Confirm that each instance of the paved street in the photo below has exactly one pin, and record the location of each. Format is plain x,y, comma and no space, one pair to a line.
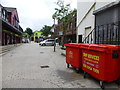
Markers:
21,68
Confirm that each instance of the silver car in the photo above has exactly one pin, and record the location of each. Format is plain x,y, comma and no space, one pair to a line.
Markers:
47,42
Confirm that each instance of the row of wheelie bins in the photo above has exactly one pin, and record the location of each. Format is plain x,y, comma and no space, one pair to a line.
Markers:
100,61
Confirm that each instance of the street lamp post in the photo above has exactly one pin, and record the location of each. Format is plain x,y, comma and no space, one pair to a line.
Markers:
54,33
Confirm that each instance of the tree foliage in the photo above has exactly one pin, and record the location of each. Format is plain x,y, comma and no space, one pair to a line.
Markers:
26,35
62,11
46,30
63,14
29,31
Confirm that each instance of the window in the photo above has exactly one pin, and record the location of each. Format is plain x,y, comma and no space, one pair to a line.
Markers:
3,13
17,24
71,25
14,20
0,11
50,40
87,31
61,33
5,16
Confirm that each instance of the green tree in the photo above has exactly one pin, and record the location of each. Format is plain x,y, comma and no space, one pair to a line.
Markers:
46,30
26,35
62,10
62,15
29,31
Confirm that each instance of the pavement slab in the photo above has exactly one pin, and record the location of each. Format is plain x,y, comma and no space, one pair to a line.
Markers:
21,68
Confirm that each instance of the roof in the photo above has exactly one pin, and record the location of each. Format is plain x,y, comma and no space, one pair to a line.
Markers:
1,5
106,7
10,26
20,28
10,9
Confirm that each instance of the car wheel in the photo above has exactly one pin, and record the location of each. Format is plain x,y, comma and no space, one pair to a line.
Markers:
44,44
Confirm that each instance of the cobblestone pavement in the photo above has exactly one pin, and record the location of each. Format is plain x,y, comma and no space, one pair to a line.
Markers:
21,68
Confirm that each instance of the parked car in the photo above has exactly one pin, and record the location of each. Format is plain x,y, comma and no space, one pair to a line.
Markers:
47,42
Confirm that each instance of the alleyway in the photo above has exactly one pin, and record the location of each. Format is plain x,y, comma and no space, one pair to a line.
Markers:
21,68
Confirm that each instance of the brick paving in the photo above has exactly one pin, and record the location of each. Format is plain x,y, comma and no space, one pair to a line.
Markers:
21,68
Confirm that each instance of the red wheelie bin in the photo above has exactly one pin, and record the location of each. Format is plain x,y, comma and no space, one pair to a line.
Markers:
102,62
119,64
74,55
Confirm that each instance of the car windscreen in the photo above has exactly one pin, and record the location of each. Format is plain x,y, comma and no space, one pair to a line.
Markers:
50,40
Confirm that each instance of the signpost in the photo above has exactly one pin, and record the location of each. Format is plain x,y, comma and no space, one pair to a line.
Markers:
54,33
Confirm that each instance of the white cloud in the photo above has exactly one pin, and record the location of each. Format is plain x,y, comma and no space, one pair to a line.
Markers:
34,13
73,3
96,0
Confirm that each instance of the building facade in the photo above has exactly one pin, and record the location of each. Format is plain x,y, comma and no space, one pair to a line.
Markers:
37,36
11,30
86,19
25,38
66,31
107,24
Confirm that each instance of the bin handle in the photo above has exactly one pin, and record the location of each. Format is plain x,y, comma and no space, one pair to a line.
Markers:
115,54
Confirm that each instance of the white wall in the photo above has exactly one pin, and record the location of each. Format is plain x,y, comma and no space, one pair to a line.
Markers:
87,21
85,17
82,8
0,11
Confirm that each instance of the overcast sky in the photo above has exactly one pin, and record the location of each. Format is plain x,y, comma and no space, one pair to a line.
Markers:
35,13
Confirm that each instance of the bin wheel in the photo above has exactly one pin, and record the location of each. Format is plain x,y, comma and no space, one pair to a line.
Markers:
77,70
85,73
102,84
118,82
68,65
